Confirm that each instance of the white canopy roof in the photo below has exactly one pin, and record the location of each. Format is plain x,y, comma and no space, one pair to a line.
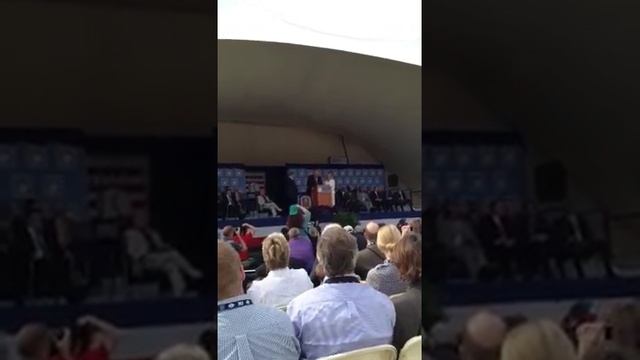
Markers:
386,29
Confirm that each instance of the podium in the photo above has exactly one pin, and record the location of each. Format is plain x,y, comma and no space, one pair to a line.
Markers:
324,196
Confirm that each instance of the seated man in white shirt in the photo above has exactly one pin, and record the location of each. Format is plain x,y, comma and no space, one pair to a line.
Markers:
148,251
245,330
265,203
281,284
342,314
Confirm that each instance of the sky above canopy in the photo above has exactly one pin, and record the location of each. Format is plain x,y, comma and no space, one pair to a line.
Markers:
386,29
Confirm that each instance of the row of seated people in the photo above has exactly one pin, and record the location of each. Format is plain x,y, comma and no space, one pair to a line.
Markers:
377,199
46,262
582,334
232,203
91,338
510,241
300,320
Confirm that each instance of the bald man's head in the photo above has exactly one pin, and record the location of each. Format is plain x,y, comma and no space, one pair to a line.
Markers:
371,232
483,337
230,272
32,342
228,232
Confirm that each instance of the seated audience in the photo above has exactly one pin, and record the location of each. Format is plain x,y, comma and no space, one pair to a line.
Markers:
416,226
371,256
247,330
282,284
341,314
623,321
579,314
285,232
230,204
183,352
93,339
385,277
148,251
38,255
33,342
208,341
538,340
399,200
90,339
576,243
265,203
301,249
513,321
359,234
482,337
407,255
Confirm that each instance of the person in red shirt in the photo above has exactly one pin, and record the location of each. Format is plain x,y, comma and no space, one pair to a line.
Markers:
36,341
93,339
229,234
247,233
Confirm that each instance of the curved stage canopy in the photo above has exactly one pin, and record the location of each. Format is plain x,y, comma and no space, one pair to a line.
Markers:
375,101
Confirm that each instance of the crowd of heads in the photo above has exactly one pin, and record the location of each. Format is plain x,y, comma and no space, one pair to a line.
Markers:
614,333
93,338
286,283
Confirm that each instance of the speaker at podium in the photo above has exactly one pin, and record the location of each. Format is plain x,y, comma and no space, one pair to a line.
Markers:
324,195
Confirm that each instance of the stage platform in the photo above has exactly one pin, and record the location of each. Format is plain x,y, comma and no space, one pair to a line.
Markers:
265,226
461,294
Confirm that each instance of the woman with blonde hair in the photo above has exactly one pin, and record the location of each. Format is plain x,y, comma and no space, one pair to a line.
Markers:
386,277
281,284
539,340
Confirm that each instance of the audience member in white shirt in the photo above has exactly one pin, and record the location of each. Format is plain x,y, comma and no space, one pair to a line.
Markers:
281,284
342,314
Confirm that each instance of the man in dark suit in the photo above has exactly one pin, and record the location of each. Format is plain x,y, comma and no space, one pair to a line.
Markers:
498,247
230,203
573,241
387,199
517,225
340,199
362,241
400,200
377,199
313,181
371,256
38,258
291,190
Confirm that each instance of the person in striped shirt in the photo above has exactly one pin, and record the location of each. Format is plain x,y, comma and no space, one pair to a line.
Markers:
247,331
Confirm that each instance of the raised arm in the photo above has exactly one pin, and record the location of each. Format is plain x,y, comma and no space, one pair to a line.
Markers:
108,335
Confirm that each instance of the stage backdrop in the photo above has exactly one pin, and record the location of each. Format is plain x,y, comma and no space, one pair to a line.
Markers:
53,173
345,175
473,167
233,176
